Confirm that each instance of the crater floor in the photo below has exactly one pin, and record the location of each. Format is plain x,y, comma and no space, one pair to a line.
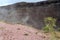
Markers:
20,32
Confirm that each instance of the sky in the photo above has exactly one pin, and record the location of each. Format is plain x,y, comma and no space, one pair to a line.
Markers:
8,2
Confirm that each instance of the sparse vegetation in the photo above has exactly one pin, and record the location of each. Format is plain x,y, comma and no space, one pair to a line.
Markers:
58,29
50,23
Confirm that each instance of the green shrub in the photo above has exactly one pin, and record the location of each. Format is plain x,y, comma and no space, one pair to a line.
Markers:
58,29
49,26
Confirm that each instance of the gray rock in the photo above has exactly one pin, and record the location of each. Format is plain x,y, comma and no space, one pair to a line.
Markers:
30,13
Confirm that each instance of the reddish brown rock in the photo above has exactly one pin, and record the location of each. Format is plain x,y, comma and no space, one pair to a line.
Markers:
10,32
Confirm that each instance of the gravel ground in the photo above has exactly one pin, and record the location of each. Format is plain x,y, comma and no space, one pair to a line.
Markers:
20,32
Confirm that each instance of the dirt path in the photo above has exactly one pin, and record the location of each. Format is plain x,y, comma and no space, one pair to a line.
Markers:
20,32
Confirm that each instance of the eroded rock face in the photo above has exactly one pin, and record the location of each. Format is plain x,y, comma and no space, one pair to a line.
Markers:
30,13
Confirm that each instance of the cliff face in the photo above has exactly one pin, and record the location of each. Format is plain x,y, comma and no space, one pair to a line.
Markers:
30,13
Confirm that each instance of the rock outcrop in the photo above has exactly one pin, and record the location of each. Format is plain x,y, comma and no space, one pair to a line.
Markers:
32,14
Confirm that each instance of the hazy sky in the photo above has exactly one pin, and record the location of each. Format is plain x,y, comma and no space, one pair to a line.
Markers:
7,2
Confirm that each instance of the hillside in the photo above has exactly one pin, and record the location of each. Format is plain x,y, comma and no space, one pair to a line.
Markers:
21,21
31,14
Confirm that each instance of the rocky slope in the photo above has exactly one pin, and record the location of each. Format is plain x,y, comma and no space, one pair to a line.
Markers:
31,14
20,32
